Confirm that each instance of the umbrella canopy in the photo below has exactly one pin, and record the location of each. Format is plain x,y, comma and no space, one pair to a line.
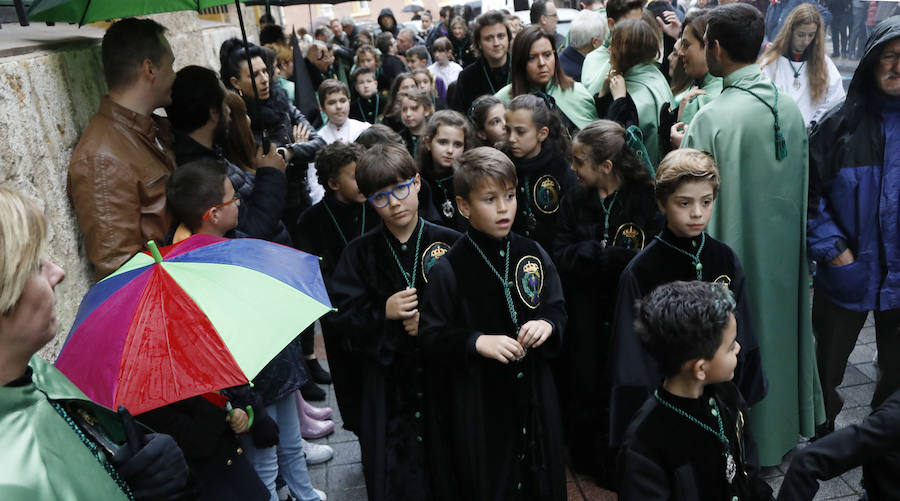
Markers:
288,3
198,316
412,8
88,11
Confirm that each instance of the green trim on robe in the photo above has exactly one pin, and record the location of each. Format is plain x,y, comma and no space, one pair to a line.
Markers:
649,90
713,87
45,459
595,68
577,103
761,214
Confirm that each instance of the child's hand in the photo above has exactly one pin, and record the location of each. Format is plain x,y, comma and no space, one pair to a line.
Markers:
402,305
534,332
238,420
412,324
499,347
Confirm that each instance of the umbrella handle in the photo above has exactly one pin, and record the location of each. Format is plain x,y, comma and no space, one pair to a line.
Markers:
248,410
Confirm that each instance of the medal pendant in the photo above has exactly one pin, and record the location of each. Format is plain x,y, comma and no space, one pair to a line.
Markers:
796,84
730,468
447,209
532,222
603,244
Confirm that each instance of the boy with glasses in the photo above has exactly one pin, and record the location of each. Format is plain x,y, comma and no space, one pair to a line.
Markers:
376,289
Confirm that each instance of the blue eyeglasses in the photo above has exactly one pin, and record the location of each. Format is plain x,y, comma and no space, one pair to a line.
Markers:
400,192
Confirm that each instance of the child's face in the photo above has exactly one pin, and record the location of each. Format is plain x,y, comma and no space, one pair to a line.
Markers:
446,146
688,209
524,136
721,367
337,108
494,130
416,63
490,208
366,85
423,82
224,216
459,31
344,185
589,174
367,60
399,213
442,56
407,83
412,113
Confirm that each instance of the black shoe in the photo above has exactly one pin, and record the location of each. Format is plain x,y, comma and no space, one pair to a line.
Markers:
311,392
316,372
823,430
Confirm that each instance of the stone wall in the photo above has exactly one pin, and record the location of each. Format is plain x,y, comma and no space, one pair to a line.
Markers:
48,93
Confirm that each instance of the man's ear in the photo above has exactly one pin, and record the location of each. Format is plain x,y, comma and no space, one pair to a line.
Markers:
148,69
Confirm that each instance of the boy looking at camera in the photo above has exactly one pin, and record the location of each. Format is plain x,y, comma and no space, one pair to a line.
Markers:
334,98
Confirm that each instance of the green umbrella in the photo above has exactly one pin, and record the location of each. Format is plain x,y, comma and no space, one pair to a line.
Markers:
89,11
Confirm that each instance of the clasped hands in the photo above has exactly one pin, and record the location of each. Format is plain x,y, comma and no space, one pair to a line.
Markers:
505,349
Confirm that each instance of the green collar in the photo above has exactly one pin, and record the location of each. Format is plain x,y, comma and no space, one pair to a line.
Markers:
749,71
709,79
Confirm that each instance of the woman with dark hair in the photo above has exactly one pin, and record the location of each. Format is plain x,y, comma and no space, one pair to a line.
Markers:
535,68
796,62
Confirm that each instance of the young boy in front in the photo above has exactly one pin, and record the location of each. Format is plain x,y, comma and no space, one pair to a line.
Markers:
324,230
377,289
492,316
202,199
691,440
368,105
334,98
686,185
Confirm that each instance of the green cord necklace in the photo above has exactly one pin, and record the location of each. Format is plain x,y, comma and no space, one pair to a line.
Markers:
730,466
505,283
363,112
336,225
695,258
410,279
606,211
488,77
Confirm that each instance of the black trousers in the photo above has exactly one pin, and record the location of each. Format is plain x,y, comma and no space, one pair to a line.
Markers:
836,330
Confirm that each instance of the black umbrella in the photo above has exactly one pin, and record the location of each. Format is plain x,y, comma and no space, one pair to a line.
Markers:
412,8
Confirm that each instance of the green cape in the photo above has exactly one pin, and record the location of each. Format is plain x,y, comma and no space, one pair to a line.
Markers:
649,90
713,87
576,103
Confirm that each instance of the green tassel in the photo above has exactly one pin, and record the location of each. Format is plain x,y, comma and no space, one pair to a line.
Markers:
780,144
634,140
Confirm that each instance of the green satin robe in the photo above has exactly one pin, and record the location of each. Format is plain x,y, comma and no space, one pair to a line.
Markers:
42,457
576,103
649,90
761,214
713,87
595,68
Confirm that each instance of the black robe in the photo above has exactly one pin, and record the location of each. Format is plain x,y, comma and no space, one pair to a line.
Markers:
392,432
391,66
442,199
666,456
476,80
634,372
317,234
368,109
590,274
502,436
544,181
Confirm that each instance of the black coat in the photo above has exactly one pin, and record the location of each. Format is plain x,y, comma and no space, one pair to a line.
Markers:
502,437
392,432
368,109
634,372
666,456
441,198
544,182
472,84
391,66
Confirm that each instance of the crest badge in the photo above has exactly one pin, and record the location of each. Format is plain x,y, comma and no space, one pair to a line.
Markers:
630,236
546,194
723,280
430,257
530,281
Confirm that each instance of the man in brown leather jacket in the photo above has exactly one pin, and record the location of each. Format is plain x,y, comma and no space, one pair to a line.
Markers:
120,167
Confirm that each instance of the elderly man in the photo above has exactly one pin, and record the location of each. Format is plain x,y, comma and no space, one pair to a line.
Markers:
350,29
119,169
543,14
587,33
854,217
337,33
490,72
406,39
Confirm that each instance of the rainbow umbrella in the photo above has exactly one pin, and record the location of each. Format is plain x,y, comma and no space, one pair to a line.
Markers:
198,316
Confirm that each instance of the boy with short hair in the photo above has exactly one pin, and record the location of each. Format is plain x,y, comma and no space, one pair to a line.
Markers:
202,199
324,230
334,99
368,105
417,58
687,182
377,289
493,315
690,440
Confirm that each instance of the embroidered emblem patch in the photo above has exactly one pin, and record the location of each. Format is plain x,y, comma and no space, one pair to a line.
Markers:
546,194
723,280
630,236
530,281
430,257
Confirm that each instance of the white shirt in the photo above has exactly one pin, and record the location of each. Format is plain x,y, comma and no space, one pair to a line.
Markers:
448,73
782,74
346,133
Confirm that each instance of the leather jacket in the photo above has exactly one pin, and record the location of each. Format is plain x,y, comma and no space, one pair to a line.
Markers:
117,183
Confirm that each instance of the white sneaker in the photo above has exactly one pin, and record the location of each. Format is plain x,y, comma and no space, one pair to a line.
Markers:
317,453
319,493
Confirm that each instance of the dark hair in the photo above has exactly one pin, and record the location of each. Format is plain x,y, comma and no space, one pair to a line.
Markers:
368,49
417,51
322,31
696,21
739,28
378,134
383,165
520,53
360,71
272,33
196,90
538,9
446,118
606,139
485,20
232,57
633,42
126,45
683,321
392,101
383,42
240,146
442,44
334,157
420,96
330,86
266,19
446,11
542,116
479,164
480,109
194,188
616,9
